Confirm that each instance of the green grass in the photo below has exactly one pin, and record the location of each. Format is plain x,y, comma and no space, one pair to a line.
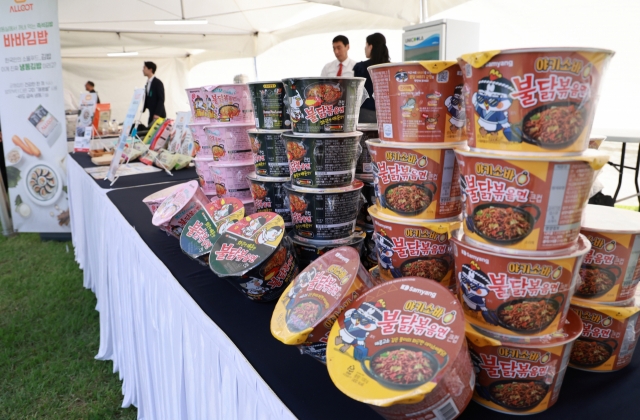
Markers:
620,206
49,335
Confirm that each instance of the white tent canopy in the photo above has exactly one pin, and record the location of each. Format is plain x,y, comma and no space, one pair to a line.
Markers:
239,28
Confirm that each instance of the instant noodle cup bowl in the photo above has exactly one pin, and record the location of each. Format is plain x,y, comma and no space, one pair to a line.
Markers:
421,248
516,298
205,227
270,109
322,160
324,104
176,210
255,256
419,101
249,207
521,378
269,153
369,194
197,102
154,200
269,195
230,104
537,101
416,180
229,143
610,271
609,336
400,348
308,250
205,178
230,179
364,168
522,204
203,147
311,304
324,213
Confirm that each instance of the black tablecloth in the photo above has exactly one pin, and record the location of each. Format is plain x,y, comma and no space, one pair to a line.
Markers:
304,384
183,175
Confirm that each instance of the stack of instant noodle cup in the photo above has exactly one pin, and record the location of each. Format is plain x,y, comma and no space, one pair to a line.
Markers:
421,118
306,148
605,299
525,178
221,117
271,168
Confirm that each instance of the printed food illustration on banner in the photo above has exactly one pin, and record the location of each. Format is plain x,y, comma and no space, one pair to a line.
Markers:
512,295
420,101
521,378
525,203
33,118
532,100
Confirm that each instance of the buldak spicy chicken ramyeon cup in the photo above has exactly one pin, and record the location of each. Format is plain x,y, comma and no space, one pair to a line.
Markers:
519,204
532,101
311,304
521,378
516,298
400,348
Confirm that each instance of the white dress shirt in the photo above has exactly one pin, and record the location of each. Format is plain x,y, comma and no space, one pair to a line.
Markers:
149,84
331,69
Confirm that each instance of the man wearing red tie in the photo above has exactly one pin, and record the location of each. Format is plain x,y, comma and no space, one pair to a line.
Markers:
343,66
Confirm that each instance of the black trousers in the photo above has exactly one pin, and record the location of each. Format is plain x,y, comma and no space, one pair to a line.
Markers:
3,167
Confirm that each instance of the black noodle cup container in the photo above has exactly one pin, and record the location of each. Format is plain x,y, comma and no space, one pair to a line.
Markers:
369,194
269,153
307,250
256,257
268,99
364,167
269,195
324,213
322,160
324,104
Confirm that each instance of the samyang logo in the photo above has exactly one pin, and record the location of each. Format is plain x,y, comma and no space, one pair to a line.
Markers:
21,7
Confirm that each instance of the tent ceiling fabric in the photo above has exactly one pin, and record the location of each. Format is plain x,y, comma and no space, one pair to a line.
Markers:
237,28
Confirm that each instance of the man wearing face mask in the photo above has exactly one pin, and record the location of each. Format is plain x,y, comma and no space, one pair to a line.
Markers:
343,65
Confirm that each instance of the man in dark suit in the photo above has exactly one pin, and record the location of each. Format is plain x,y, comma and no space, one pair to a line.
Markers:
154,99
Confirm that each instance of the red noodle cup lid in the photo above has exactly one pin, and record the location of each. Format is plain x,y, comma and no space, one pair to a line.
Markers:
246,244
206,226
174,203
570,331
395,343
610,220
318,294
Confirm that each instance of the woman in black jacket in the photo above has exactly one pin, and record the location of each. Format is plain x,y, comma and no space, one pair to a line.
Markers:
377,53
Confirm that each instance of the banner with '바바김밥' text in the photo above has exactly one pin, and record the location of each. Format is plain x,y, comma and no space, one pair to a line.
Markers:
32,115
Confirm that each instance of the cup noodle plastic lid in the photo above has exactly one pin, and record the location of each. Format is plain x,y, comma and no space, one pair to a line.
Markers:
206,226
355,185
610,219
174,203
246,244
411,319
316,293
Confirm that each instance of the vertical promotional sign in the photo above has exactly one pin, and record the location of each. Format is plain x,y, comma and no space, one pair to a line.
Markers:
138,96
32,115
84,127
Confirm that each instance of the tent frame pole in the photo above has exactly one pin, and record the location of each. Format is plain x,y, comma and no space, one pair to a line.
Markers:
424,11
